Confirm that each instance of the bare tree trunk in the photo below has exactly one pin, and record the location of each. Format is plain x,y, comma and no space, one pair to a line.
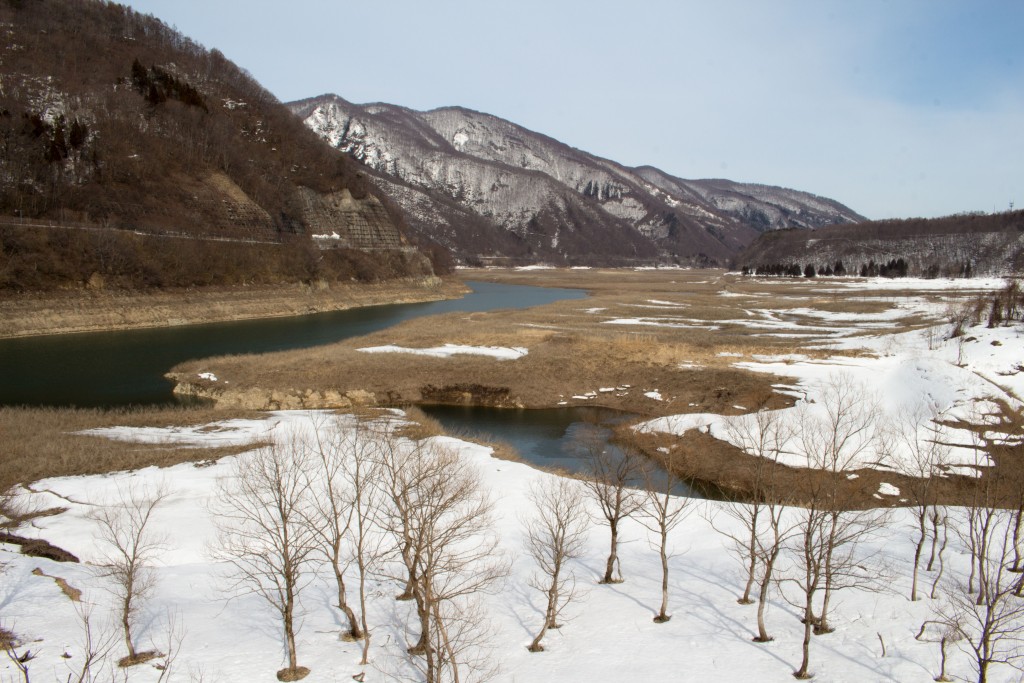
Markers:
942,662
805,662
126,612
535,645
821,625
354,630
936,519
942,565
362,611
446,643
613,556
752,549
922,528
1018,519
550,612
422,646
289,629
762,598
663,615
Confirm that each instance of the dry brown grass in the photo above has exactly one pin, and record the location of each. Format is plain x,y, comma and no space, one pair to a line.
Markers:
73,594
574,350
139,658
42,442
419,425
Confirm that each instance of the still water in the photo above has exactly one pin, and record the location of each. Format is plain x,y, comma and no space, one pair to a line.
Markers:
107,369
555,438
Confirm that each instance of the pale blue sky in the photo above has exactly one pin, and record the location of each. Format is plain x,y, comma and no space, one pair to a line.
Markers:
895,107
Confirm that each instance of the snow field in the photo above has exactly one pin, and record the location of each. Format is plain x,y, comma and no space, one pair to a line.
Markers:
608,634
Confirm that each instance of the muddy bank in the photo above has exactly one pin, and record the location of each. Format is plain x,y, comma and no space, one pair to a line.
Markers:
104,310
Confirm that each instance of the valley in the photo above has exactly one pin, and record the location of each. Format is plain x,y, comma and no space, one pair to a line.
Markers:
694,355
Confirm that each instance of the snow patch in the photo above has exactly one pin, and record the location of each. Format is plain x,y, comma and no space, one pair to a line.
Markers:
448,350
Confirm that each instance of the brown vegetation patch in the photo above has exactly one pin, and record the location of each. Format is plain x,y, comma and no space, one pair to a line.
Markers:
15,518
44,442
722,470
37,547
139,658
7,639
296,674
73,594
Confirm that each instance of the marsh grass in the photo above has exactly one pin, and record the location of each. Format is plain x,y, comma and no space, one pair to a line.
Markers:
38,443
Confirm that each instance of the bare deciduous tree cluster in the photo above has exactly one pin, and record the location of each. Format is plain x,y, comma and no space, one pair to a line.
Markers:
372,506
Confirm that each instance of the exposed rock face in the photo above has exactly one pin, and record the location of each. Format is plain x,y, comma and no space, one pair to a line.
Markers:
353,223
483,186
256,398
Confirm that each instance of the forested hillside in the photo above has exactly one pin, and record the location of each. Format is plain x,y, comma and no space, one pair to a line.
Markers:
964,244
118,129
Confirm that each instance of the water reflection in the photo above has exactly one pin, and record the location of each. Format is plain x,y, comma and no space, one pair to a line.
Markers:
554,439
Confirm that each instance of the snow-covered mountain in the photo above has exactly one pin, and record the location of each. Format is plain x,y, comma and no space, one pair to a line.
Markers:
482,186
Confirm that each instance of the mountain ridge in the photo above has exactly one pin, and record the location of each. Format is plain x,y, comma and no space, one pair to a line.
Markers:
504,190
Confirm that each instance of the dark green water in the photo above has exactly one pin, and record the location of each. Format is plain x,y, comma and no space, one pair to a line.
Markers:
107,369
547,438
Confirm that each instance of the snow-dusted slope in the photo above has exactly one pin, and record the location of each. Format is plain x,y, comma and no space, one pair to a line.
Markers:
482,185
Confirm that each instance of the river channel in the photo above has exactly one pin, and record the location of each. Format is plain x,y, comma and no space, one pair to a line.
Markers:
126,367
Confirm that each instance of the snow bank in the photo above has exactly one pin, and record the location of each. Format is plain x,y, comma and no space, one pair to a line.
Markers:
448,350
608,633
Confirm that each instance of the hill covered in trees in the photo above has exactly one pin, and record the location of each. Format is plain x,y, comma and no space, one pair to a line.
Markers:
953,246
131,153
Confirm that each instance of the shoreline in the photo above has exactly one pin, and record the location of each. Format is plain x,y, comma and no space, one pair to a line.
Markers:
73,312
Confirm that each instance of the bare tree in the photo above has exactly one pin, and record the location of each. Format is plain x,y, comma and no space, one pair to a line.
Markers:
362,470
330,507
763,533
940,527
19,660
811,532
264,532
943,633
921,457
404,468
612,475
441,520
980,512
992,625
660,513
131,547
772,537
835,438
96,644
763,435
555,535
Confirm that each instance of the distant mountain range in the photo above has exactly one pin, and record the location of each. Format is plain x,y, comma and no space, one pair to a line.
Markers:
487,189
